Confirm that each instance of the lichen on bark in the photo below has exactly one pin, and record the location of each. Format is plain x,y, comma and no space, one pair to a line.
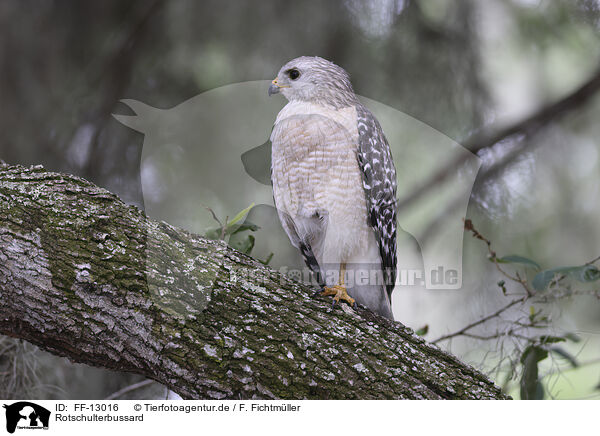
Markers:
85,276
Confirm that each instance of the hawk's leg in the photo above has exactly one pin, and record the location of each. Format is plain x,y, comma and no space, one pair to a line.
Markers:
339,292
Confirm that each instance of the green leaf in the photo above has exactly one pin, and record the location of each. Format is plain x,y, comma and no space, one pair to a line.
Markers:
242,228
245,245
573,337
513,258
531,388
566,355
551,339
240,215
542,279
587,273
534,352
213,233
423,330
583,273
267,260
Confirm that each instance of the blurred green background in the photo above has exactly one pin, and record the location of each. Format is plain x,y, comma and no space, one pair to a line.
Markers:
462,67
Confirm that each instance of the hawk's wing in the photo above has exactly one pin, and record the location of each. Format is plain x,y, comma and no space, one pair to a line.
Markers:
379,181
303,245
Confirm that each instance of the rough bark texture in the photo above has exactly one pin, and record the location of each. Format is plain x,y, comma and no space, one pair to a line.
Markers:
85,276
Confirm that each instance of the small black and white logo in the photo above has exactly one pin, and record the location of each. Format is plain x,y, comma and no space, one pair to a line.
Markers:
26,415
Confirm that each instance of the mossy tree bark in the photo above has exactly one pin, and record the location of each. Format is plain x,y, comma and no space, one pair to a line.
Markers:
85,276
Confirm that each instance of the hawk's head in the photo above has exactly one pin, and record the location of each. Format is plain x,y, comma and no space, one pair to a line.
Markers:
315,80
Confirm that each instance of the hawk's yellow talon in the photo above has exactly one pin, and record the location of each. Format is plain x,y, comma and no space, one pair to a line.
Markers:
339,292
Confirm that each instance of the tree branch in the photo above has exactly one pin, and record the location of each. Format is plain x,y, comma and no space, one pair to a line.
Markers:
526,127
85,276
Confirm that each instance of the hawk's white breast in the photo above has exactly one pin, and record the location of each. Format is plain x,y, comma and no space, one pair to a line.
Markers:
316,173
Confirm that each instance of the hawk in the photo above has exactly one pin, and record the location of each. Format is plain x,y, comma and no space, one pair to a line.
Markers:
334,183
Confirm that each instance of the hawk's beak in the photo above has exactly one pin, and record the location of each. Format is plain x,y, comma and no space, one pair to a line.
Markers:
274,88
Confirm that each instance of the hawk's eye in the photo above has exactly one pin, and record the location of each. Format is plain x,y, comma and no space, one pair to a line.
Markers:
294,74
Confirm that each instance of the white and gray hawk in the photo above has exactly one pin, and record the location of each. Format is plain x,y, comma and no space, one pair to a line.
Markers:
334,183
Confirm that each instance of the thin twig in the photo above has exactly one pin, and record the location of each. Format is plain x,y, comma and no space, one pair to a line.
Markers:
481,320
492,255
224,228
214,215
129,388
